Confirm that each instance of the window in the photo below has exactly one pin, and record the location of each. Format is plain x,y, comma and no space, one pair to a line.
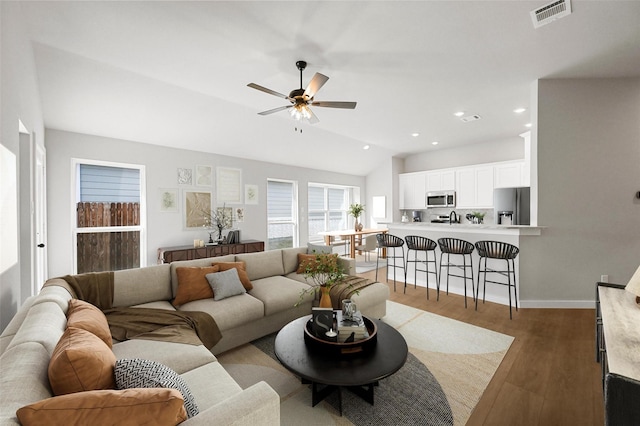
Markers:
282,214
109,216
328,208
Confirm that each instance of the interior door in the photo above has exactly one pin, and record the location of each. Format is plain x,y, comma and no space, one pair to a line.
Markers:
40,219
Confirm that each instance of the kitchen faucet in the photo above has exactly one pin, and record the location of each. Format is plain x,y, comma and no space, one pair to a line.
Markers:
455,217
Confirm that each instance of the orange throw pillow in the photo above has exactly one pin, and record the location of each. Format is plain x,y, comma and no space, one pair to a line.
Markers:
193,284
158,406
88,317
242,272
81,362
311,260
305,260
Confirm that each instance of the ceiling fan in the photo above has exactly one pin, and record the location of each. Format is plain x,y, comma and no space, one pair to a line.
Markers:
301,98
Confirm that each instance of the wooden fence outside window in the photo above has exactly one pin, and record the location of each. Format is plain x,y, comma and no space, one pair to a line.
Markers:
106,250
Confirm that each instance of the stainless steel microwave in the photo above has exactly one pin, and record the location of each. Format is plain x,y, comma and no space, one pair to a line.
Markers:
441,199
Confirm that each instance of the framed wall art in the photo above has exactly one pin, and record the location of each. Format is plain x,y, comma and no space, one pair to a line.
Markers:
228,184
251,194
204,175
168,200
197,209
185,176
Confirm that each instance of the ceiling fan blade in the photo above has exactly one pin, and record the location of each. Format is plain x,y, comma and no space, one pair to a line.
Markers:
313,119
330,104
271,111
315,84
265,90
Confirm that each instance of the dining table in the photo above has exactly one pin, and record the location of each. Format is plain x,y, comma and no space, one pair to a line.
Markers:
352,235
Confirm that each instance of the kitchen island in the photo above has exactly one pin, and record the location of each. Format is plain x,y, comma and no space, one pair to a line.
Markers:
511,234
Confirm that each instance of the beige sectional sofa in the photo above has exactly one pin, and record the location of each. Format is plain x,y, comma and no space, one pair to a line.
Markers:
27,343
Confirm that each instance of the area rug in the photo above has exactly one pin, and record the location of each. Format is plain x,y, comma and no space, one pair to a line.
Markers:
363,266
449,366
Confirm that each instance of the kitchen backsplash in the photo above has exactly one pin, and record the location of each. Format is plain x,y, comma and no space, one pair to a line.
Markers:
428,214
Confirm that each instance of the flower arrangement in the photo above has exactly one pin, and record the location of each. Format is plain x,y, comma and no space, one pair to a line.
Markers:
220,219
356,210
322,272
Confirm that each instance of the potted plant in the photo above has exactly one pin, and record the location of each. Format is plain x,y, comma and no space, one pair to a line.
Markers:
478,217
356,210
322,272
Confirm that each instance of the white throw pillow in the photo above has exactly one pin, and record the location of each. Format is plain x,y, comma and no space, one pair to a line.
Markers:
225,284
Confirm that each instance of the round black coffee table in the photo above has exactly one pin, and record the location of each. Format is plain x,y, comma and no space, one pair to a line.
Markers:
358,374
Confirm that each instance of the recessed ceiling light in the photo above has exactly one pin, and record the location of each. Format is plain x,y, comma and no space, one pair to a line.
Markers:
415,135
527,125
366,147
459,113
434,143
519,110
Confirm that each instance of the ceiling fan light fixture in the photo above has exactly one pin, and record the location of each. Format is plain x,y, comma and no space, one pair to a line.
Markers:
300,112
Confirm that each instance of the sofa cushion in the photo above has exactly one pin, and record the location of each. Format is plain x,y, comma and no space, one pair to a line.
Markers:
262,264
107,407
231,312
23,378
225,284
242,272
280,293
193,284
180,357
290,258
80,362
211,384
141,285
44,324
142,373
84,315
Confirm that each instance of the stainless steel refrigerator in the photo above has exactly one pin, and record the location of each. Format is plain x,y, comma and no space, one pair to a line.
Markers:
515,200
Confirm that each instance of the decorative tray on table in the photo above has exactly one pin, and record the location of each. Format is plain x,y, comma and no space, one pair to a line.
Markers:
331,346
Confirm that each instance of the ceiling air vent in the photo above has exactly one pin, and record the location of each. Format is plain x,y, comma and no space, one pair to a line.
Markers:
550,12
468,118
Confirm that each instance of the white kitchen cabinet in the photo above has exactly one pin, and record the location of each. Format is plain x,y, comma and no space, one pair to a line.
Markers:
509,174
441,180
474,187
412,191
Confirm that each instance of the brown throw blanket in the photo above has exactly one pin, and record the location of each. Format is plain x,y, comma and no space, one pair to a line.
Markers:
193,328
346,289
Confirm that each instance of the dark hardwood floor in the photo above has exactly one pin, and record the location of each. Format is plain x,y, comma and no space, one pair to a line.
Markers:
549,375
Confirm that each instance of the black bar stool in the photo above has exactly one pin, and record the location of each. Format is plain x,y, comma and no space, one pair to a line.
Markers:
455,246
391,243
419,244
501,251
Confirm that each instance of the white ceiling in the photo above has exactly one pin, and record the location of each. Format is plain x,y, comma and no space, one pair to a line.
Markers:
175,73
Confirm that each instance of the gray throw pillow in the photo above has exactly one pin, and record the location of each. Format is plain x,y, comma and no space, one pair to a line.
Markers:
225,284
142,373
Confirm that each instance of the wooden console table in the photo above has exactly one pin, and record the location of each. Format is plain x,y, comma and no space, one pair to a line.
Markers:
618,351
172,254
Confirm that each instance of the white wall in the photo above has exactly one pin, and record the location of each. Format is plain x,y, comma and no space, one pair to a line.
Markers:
588,155
487,152
19,100
164,229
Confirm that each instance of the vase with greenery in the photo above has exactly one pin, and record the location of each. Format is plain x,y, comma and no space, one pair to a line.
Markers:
479,217
356,210
322,272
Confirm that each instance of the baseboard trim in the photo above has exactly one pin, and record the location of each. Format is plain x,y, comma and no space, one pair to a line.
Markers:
558,304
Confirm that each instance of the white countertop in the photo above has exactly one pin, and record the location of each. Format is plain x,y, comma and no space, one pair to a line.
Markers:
468,228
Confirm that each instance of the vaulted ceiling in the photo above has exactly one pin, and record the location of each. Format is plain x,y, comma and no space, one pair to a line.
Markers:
176,73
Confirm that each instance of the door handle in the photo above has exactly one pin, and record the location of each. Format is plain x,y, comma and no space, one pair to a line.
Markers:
41,245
